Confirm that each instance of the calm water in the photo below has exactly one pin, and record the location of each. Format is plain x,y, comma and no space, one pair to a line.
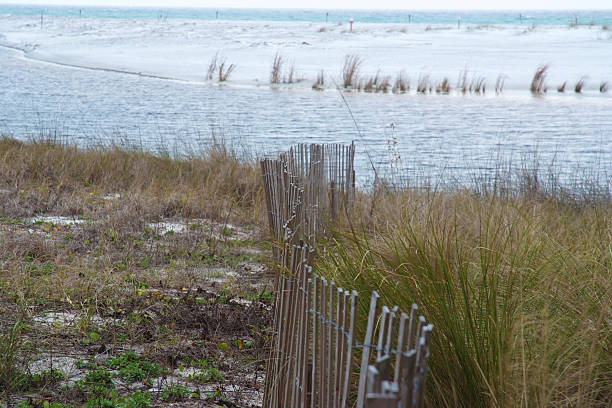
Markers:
372,16
449,136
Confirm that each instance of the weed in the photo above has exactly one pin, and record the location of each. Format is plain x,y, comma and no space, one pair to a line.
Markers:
10,377
40,380
136,400
98,383
132,368
175,393
207,375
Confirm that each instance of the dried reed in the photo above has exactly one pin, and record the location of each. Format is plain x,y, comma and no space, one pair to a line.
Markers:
320,82
402,83
277,65
225,72
424,84
478,85
212,67
538,86
499,84
350,71
562,87
443,87
462,81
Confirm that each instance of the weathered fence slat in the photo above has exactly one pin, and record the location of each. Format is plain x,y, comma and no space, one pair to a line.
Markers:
312,355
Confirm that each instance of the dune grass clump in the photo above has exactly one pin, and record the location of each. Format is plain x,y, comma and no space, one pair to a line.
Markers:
225,71
499,84
376,83
443,87
538,86
462,84
517,286
561,88
478,85
319,84
212,67
579,85
220,66
276,71
424,84
350,71
402,83
277,75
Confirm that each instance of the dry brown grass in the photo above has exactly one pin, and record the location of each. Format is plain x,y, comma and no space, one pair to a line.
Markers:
276,70
538,86
462,83
225,70
478,85
443,87
424,84
319,84
350,71
52,177
561,88
579,85
499,84
402,83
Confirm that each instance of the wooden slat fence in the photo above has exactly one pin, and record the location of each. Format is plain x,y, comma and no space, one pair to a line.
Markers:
313,362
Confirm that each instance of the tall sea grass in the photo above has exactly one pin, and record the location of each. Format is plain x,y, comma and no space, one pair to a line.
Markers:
518,286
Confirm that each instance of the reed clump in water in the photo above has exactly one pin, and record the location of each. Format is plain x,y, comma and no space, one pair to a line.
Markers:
443,87
350,71
319,84
212,67
376,83
561,88
538,86
579,85
225,70
424,84
478,85
402,83
220,66
499,84
276,71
